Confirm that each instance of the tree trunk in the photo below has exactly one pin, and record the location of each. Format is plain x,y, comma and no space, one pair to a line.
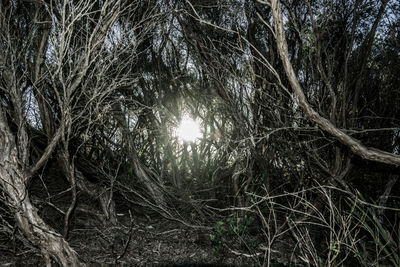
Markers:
385,196
12,181
103,195
236,184
145,176
353,144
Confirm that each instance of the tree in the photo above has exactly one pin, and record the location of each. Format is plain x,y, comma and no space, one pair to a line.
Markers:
353,144
62,55
290,94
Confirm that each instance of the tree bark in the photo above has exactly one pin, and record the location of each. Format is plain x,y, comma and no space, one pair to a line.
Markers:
13,183
385,196
103,195
355,145
143,174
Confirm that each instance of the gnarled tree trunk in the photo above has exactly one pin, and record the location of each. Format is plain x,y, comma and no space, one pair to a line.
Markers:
353,144
13,183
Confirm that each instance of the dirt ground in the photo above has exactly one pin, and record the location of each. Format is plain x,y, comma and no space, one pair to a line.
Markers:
142,241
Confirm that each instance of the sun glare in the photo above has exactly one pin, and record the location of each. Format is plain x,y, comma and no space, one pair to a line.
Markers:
188,130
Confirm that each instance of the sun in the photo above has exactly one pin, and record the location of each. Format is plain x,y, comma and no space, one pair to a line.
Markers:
188,130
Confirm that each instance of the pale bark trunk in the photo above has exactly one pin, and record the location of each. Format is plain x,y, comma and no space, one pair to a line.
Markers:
13,183
143,174
355,145
103,195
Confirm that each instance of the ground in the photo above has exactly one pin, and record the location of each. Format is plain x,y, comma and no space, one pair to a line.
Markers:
153,241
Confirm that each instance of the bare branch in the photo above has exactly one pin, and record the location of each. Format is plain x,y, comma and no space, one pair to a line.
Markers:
355,145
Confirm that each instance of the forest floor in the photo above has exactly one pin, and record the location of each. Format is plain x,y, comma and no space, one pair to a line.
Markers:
141,241
153,242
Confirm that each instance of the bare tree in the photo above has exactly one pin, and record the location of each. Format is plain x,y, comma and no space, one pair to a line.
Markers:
356,146
69,63
13,182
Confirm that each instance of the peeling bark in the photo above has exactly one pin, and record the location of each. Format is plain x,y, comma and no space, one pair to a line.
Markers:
13,183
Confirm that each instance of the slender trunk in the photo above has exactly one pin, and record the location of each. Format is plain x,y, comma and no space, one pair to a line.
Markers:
103,195
145,176
236,184
384,197
354,145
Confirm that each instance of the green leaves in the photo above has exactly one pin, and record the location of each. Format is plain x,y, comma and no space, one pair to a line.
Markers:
230,228
335,247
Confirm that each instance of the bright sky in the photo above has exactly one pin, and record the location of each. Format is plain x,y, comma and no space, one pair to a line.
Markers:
188,130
